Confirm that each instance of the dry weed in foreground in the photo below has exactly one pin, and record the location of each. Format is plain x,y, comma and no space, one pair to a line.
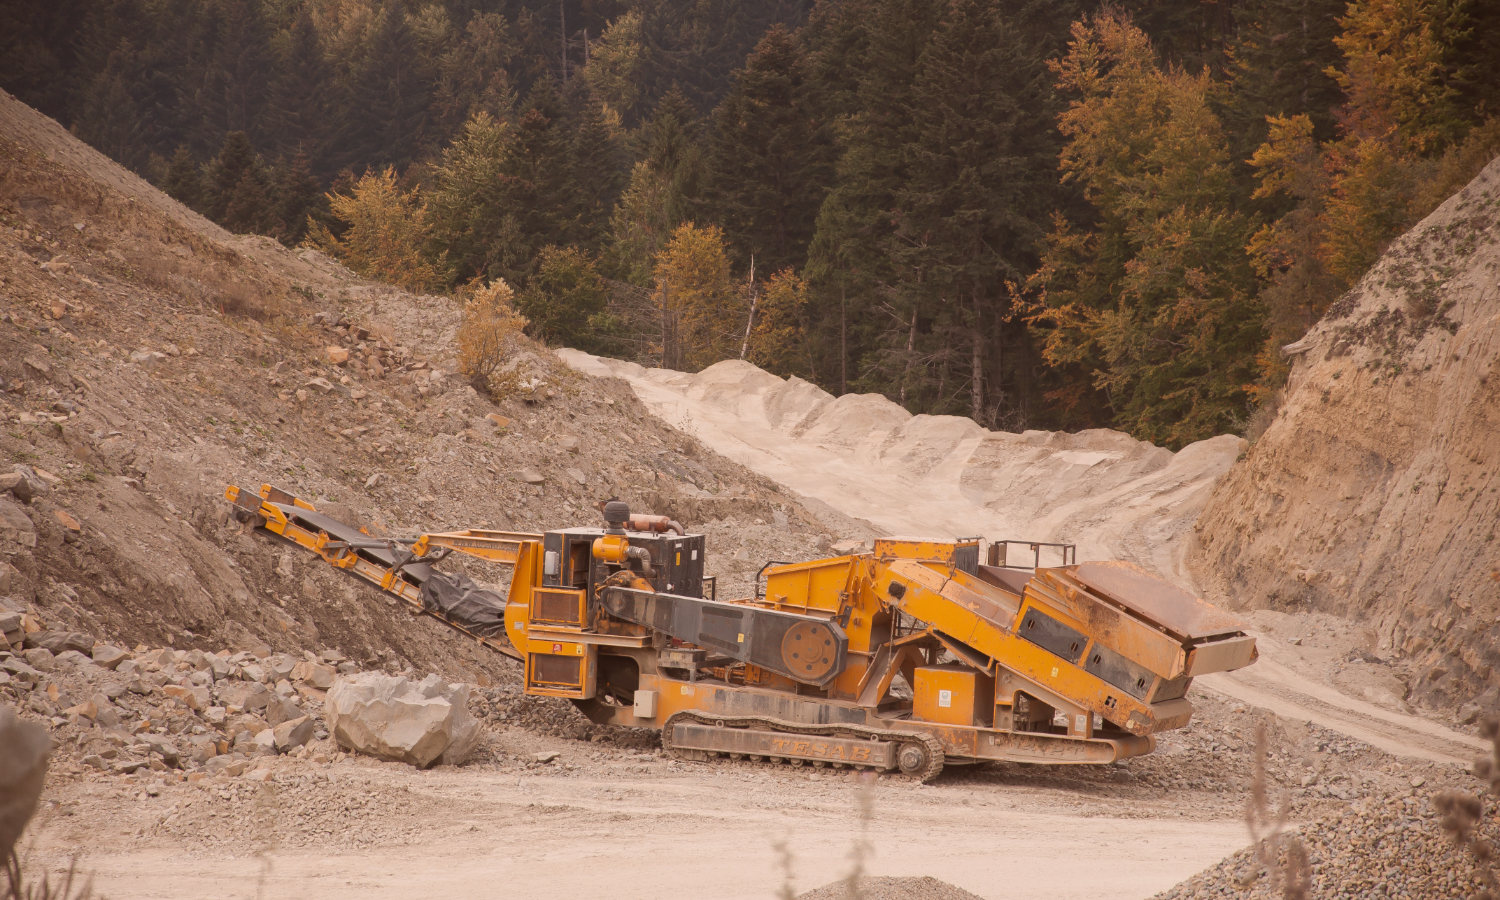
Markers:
1288,868
784,862
1462,813
864,799
72,886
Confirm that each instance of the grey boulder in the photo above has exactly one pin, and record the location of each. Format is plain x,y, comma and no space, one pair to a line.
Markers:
389,717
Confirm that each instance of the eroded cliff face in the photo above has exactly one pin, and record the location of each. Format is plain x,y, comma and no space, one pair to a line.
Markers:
1375,493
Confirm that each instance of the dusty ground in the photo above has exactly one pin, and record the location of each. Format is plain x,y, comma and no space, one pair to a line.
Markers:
317,821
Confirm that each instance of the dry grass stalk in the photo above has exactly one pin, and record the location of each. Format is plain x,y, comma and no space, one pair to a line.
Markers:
1279,855
1463,813
784,863
864,799
72,887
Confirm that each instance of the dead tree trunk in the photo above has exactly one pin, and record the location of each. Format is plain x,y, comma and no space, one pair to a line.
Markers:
843,341
911,346
976,391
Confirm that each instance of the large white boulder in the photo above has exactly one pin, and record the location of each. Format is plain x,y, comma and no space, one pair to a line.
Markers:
390,717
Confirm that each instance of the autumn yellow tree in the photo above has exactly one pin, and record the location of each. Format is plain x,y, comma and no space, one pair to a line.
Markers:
1289,253
1151,307
777,342
1402,148
388,234
702,312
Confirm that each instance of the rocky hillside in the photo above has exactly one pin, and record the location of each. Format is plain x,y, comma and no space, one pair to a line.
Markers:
1375,493
148,358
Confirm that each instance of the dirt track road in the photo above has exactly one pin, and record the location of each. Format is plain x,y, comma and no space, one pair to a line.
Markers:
690,831
1284,684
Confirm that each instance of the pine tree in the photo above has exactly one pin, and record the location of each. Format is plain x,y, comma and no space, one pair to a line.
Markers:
506,190
389,96
304,109
1476,59
598,161
662,192
1191,34
565,301
544,192
247,208
472,76
772,156
615,71
971,215
877,46
233,89
1282,60
39,50
694,48
297,196
184,180
473,219
235,171
108,117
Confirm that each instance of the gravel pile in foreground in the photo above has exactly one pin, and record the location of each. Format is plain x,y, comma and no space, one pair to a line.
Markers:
1387,848
888,888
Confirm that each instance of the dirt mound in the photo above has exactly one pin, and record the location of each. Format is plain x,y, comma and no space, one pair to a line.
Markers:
870,459
148,358
885,888
1373,494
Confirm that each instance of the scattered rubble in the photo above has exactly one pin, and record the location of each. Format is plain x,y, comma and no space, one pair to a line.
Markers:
1383,847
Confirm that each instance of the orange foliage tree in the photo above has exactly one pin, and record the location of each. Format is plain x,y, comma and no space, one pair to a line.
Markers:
388,235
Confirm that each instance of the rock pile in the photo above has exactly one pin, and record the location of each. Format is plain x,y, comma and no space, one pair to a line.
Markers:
197,714
392,718
1387,848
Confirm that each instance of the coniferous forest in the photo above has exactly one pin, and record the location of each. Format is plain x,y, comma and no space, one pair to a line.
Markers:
1054,215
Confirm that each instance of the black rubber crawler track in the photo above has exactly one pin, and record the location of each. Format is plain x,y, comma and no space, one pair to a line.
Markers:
933,747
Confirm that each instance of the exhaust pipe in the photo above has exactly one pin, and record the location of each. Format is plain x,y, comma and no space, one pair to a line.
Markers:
656,524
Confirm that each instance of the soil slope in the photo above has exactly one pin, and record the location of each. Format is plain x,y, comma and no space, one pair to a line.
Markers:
148,358
1374,493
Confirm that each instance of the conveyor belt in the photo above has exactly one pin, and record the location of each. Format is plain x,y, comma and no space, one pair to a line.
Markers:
415,573
372,559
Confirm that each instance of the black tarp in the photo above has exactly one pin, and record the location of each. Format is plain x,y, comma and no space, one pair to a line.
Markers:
460,599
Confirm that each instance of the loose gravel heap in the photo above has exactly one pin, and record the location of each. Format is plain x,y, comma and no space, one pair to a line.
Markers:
925,888
1391,848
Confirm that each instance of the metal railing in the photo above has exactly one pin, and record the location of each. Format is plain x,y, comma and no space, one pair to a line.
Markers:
1000,553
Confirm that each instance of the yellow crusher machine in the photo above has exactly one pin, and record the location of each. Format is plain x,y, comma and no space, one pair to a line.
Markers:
1078,663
